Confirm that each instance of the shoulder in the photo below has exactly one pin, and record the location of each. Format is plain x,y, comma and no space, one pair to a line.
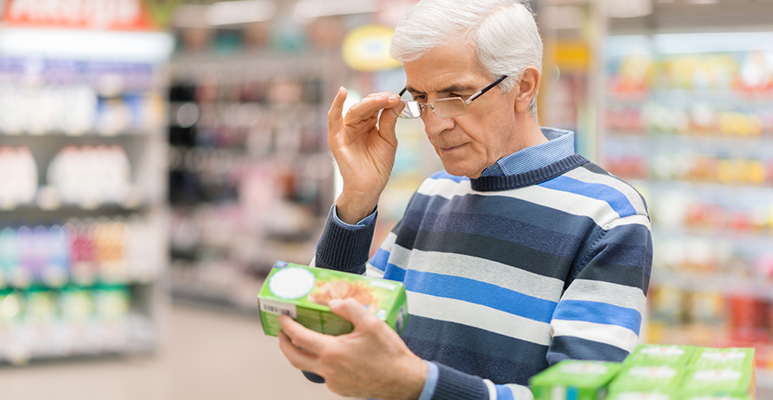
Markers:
590,180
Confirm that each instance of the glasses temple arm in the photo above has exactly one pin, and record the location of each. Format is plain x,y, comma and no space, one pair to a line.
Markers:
486,89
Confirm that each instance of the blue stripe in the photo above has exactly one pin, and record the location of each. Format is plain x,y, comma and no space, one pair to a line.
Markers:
597,191
504,393
380,259
485,294
600,313
394,273
446,175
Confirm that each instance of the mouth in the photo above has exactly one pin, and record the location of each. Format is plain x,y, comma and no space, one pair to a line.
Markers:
449,149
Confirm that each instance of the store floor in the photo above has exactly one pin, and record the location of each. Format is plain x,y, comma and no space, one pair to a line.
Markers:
209,355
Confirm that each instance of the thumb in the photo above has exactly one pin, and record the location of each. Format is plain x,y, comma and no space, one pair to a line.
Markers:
351,310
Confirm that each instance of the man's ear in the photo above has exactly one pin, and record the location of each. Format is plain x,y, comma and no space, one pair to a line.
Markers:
528,86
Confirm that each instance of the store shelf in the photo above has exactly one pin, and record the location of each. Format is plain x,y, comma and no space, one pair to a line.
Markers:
726,284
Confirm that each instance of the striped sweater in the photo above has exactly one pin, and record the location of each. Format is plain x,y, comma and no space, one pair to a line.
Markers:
507,275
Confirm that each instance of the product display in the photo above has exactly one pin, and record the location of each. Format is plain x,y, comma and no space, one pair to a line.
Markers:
660,372
83,242
18,177
303,293
692,130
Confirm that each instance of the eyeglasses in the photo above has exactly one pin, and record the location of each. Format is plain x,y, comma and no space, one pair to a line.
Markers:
445,108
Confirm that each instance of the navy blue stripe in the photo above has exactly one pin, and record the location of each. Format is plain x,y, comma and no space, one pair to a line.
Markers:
508,209
601,171
625,245
600,313
499,369
570,347
633,276
509,230
486,343
597,191
485,294
522,257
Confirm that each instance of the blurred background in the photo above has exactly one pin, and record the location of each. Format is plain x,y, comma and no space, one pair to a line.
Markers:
157,157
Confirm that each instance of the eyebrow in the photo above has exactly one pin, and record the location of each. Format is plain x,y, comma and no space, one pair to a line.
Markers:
452,88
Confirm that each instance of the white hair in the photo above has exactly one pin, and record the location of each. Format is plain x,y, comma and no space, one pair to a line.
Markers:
504,33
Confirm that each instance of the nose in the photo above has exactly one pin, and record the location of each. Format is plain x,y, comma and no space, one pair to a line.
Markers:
434,125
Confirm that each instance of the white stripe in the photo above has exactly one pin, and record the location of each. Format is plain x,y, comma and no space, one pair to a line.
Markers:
373,272
479,316
630,220
492,389
613,335
478,269
606,292
583,175
520,392
598,210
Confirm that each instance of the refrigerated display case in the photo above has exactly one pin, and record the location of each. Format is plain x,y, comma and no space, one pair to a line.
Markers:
688,121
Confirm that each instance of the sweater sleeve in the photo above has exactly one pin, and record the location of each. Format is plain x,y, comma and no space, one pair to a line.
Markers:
344,247
599,315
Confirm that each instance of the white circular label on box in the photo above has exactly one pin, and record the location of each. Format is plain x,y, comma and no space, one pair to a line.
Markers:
291,283
583,368
724,355
717,375
663,351
643,396
653,372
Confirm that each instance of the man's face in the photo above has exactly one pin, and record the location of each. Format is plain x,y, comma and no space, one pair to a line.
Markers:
471,142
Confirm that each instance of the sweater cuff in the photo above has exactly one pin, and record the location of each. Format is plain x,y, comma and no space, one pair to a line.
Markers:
455,385
345,247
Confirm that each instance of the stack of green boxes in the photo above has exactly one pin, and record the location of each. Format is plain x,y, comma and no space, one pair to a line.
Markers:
653,372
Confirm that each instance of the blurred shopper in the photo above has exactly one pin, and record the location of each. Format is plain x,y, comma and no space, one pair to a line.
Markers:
519,255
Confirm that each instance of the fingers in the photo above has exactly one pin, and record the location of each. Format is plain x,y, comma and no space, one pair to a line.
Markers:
334,116
298,358
352,311
370,106
302,336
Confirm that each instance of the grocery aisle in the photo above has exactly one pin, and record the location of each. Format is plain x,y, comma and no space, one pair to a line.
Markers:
208,355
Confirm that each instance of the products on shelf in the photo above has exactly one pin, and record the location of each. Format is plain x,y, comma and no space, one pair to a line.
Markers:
92,175
74,98
39,322
81,251
18,176
696,129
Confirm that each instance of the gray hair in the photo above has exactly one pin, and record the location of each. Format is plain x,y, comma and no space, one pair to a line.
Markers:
503,31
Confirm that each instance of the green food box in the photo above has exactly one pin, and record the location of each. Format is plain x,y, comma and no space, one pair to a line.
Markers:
711,357
573,379
663,378
719,381
660,354
715,397
303,293
644,395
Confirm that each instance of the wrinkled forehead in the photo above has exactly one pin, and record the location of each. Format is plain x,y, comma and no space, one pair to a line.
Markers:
447,68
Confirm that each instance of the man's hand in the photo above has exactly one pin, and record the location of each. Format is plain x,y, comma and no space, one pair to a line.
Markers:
371,361
364,147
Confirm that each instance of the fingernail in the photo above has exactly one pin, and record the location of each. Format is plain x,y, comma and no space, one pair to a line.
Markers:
394,97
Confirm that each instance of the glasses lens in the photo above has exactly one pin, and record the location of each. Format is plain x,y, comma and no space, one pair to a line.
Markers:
450,107
411,109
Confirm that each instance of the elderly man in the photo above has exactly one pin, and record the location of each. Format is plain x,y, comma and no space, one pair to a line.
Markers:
518,255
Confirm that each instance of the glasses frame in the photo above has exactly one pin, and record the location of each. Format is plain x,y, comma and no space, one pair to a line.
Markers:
431,104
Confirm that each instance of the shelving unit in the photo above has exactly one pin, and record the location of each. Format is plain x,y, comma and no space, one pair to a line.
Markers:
251,180
82,259
691,128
